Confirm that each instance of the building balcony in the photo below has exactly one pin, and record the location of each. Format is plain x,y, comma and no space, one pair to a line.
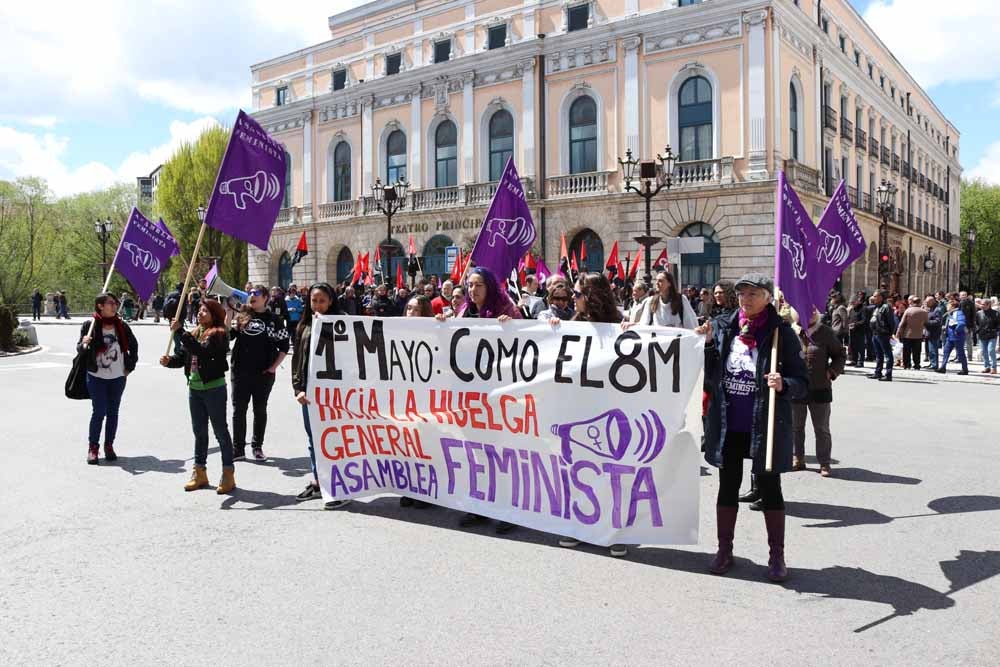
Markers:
801,177
432,198
852,195
588,184
923,182
481,194
873,148
906,170
830,118
703,172
846,129
338,209
913,173
287,216
860,139
900,217
895,163
886,156
866,202
909,220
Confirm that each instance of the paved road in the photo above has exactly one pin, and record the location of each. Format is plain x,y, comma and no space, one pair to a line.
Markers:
115,563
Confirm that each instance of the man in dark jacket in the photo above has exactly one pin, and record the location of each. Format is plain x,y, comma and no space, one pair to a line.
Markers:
883,325
348,302
174,303
825,363
932,331
857,326
382,305
987,326
968,307
911,332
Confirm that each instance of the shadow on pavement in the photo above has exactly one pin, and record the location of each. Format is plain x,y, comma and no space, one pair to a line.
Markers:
263,500
836,516
297,467
138,465
862,475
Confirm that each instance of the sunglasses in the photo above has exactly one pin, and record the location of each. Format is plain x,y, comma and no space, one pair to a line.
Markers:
258,292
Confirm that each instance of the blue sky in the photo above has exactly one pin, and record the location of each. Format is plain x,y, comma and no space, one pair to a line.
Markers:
102,92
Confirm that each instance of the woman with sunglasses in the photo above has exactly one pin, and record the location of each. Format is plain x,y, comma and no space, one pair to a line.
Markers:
595,302
322,301
202,354
559,302
260,344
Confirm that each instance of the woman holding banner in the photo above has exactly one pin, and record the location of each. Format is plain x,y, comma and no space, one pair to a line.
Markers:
322,301
109,362
737,360
417,306
202,354
667,307
485,299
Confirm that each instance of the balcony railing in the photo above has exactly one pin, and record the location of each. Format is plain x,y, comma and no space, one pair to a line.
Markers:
900,216
923,182
895,162
866,202
873,147
852,195
830,118
578,185
913,173
861,139
886,156
846,128
703,172
480,194
909,220
338,209
801,176
435,198
287,216
906,169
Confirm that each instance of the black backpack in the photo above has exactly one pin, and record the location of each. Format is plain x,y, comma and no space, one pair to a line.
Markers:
170,306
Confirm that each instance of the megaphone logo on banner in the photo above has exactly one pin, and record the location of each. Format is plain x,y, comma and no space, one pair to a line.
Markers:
256,188
510,231
142,257
609,435
217,285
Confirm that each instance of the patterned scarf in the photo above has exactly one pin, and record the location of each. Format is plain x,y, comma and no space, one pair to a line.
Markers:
116,322
750,326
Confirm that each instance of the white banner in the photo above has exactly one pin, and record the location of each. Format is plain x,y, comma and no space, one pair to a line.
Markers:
581,430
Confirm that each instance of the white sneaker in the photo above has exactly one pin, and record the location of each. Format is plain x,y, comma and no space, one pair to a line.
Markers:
619,550
336,504
569,542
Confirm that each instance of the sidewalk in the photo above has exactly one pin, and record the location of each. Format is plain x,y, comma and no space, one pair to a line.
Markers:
975,376
77,320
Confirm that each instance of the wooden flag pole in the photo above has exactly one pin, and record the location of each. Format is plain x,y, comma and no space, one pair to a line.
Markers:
772,398
107,282
187,283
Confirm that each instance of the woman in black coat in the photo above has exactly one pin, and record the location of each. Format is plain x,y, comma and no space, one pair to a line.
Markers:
737,366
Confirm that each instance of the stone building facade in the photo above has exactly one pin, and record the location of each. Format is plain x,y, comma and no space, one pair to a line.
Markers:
442,91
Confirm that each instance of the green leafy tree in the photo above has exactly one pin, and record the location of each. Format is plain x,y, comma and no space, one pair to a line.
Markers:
25,234
981,212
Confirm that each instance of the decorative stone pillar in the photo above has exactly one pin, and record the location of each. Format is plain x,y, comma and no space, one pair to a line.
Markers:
527,165
758,97
631,47
468,128
307,166
415,173
367,144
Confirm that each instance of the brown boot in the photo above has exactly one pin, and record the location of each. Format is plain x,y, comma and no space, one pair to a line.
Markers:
109,452
92,451
199,479
227,483
775,522
725,520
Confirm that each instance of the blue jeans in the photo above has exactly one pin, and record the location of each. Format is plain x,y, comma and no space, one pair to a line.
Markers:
959,347
309,434
210,405
932,351
989,352
883,354
105,399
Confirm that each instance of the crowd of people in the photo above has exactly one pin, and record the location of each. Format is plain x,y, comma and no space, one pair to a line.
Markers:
739,320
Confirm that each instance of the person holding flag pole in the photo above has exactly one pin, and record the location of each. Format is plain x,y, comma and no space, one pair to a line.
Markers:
754,369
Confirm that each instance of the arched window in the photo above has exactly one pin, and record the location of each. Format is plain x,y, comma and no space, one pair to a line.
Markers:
288,181
694,119
284,271
702,269
433,260
395,163
345,265
501,142
342,172
583,135
446,155
399,258
793,120
593,258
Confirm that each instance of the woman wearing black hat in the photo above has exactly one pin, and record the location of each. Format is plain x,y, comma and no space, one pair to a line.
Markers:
737,365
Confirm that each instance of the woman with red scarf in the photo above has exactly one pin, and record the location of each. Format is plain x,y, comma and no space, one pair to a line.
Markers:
737,368
112,352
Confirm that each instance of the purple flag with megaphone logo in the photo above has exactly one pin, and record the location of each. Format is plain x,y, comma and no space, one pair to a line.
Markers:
176,250
508,231
840,243
250,188
796,241
143,253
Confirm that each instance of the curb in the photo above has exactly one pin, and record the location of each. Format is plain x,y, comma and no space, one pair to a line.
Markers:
974,376
78,321
21,352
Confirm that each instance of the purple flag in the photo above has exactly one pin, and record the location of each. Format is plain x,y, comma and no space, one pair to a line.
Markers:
840,243
796,242
142,253
176,250
542,271
508,231
250,187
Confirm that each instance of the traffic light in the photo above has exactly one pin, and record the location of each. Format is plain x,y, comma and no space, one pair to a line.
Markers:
883,264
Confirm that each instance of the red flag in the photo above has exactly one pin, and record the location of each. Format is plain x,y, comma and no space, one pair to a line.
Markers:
529,262
573,264
583,252
613,262
301,250
365,264
634,269
456,269
399,277
378,255
563,253
356,276
413,249
661,260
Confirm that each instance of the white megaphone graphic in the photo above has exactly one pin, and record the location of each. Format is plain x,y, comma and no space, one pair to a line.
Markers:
256,188
216,285
610,435
142,257
794,249
510,231
833,250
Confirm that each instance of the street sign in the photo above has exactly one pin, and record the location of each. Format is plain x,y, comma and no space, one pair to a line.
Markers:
450,257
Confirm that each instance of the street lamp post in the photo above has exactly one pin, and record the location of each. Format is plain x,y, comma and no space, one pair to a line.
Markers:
970,236
885,195
389,199
659,172
213,249
103,229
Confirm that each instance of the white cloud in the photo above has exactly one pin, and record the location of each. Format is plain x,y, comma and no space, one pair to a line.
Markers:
988,167
939,43
193,97
28,154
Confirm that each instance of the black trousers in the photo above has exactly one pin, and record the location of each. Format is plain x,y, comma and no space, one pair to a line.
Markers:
249,389
911,352
735,449
857,346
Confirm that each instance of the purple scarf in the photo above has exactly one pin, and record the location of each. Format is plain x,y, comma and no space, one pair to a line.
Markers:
750,326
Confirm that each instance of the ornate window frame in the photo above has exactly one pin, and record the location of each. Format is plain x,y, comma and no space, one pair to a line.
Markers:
340,137
693,69
580,89
496,104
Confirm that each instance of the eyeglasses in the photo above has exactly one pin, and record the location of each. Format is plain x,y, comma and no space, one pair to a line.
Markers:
258,292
